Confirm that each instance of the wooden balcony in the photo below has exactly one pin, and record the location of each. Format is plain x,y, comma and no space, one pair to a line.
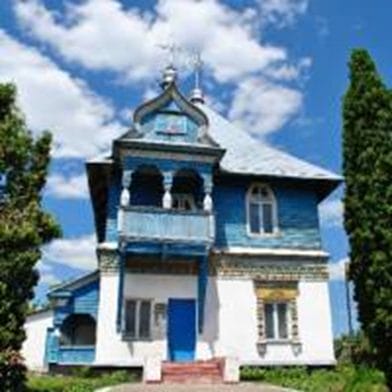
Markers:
153,224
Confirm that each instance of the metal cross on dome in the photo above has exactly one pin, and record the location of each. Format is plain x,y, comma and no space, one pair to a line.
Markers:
197,64
172,49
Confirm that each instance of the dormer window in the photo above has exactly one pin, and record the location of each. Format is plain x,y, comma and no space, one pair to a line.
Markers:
261,210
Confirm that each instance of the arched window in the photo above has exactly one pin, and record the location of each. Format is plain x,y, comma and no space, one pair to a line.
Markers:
187,190
261,209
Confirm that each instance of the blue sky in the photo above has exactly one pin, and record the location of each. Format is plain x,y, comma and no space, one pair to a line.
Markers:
275,67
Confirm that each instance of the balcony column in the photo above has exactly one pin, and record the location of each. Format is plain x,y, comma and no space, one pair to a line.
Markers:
207,202
167,185
125,197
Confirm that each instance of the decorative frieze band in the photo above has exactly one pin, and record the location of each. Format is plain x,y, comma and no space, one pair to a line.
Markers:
254,268
108,260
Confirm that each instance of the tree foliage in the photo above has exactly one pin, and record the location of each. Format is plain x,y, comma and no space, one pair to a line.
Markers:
24,227
367,146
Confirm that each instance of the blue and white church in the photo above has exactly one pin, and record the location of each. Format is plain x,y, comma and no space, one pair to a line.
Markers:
208,247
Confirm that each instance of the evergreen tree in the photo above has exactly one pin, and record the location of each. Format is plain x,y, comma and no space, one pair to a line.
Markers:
24,227
367,148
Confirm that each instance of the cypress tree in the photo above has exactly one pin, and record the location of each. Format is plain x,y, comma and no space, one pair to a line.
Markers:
367,151
24,227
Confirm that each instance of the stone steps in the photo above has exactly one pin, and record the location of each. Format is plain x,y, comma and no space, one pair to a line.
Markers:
200,372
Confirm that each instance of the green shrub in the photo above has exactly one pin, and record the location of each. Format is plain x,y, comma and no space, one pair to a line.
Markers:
82,372
87,383
355,349
345,378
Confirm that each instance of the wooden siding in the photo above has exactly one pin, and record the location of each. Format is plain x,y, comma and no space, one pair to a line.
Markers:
84,300
66,355
167,225
298,223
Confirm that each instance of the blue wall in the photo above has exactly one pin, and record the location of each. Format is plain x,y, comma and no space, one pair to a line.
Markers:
81,300
54,353
297,216
112,209
84,300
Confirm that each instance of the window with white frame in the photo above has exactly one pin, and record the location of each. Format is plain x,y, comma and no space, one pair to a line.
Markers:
276,316
137,320
261,208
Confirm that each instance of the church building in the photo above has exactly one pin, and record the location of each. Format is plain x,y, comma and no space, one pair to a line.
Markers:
208,247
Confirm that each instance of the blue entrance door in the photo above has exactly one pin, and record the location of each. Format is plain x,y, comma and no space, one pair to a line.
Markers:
182,329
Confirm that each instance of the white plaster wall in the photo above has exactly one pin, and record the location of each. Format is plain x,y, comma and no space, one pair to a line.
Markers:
238,316
33,349
230,327
111,349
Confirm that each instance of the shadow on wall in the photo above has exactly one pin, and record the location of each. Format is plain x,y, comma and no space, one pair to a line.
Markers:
211,316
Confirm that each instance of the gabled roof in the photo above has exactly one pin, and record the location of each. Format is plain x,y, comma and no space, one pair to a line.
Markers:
248,155
171,93
67,287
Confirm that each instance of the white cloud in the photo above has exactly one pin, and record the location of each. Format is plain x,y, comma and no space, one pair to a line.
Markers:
337,269
60,186
260,106
106,35
102,34
331,213
76,252
288,72
282,12
47,274
82,123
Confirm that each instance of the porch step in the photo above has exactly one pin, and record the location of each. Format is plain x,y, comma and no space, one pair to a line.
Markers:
200,372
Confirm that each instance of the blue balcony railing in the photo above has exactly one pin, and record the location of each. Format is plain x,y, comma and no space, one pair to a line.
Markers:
164,225
76,354
65,355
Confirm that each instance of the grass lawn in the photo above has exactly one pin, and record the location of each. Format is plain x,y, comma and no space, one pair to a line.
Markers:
345,378
76,383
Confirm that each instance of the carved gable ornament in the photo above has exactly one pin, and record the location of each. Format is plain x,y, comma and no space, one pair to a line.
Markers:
173,102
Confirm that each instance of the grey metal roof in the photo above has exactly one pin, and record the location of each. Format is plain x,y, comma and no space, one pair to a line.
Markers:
248,155
75,283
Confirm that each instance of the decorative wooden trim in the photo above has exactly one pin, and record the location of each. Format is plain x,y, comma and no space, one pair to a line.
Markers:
318,255
170,93
185,156
262,289
151,265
